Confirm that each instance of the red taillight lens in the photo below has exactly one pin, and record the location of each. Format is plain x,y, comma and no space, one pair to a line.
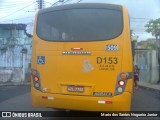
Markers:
44,97
36,79
121,82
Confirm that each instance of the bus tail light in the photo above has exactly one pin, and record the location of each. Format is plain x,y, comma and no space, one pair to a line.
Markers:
121,82
120,89
36,79
37,85
124,75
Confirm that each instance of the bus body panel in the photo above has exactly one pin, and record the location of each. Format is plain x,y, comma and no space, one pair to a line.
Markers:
86,103
96,72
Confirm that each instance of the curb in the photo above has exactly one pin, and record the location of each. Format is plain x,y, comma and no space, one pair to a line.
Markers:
150,89
15,84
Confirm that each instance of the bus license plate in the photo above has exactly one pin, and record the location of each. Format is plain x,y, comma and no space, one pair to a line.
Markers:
75,88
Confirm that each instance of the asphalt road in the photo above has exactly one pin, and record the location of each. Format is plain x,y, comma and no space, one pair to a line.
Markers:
17,98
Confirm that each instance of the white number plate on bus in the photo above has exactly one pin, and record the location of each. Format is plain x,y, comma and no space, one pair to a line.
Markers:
75,88
111,47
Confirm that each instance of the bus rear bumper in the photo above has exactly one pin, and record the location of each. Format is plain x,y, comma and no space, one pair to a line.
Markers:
87,103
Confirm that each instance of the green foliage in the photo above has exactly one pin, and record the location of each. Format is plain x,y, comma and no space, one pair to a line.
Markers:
153,27
152,46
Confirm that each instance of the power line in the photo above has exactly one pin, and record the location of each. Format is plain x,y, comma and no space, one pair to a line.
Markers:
48,2
71,0
79,1
18,19
13,4
141,18
66,1
138,21
55,3
17,11
63,2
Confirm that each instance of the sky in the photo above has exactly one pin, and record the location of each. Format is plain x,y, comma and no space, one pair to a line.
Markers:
23,11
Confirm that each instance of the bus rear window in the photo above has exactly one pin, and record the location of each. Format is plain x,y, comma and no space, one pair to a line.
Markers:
80,25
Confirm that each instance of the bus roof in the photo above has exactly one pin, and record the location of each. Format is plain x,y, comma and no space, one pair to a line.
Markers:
82,6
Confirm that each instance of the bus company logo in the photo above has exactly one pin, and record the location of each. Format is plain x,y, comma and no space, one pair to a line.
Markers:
76,53
87,67
21,114
6,114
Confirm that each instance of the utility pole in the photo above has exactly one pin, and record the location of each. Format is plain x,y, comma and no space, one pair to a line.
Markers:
40,4
159,62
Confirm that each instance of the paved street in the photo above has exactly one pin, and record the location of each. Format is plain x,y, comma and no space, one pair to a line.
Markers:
17,98
146,100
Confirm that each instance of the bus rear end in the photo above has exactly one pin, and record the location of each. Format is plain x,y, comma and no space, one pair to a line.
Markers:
82,58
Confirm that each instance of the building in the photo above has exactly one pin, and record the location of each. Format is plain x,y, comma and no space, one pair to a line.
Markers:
15,52
146,59
147,44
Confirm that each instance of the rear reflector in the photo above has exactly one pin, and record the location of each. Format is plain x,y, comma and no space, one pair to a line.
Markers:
108,102
50,98
44,97
101,102
104,102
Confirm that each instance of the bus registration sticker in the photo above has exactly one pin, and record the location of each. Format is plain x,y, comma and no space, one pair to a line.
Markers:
72,88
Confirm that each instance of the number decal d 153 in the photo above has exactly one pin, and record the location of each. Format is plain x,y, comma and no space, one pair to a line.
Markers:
111,47
107,60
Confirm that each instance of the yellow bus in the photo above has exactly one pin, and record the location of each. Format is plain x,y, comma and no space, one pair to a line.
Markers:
82,58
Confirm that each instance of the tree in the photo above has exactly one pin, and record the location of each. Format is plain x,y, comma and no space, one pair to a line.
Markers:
151,46
153,27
